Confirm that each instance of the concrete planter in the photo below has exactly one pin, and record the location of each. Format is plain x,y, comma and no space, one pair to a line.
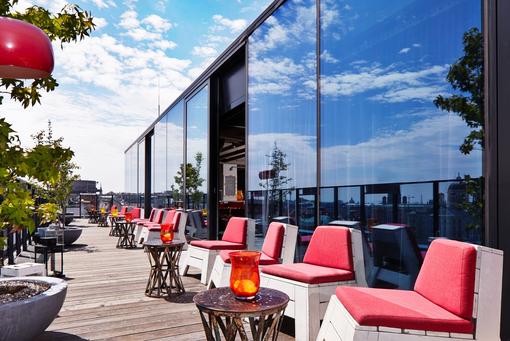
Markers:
27,319
71,234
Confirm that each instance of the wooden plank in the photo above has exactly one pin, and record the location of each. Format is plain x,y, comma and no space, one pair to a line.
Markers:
106,296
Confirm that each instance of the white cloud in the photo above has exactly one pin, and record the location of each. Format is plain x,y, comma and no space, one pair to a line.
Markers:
100,22
404,50
389,79
164,44
327,57
424,93
157,23
204,51
52,5
153,27
129,20
104,3
427,150
235,25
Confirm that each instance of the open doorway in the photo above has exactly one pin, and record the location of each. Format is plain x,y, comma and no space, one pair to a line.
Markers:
230,163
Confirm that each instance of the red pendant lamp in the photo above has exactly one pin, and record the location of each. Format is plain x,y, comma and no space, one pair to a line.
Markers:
25,50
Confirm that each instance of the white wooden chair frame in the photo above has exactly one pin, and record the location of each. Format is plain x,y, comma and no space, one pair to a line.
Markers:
338,324
308,302
203,259
220,275
148,235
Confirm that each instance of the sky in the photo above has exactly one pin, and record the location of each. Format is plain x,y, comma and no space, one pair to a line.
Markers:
108,83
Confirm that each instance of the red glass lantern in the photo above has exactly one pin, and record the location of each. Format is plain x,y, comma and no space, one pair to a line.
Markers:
167,233
128,216
245,277
25,50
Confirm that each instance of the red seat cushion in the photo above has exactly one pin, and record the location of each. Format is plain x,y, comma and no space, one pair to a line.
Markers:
235,232
308,273
403,309
330,246
273,241
264,259
217,245
447,276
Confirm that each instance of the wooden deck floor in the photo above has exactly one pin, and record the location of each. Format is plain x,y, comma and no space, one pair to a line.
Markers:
105,297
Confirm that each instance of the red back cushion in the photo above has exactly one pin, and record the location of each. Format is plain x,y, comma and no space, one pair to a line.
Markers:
123,210
447,276
177,218
235,231
330,246
169,218
135,213
273,241
158,216
114,207
151,216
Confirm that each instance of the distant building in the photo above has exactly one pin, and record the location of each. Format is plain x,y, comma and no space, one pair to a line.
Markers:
85,186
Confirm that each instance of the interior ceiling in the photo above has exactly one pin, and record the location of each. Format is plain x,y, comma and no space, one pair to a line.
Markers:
232,136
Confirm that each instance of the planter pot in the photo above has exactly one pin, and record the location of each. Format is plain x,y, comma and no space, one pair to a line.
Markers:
71,234
27,319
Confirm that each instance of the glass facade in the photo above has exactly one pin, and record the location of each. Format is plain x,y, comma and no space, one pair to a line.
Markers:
349,117
282,117
197,139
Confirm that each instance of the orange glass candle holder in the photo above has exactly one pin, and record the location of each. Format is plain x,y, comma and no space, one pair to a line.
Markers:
115,213
167,233
245,277
128,216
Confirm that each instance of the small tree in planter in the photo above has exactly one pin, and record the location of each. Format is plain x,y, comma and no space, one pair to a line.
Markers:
41,164
57,191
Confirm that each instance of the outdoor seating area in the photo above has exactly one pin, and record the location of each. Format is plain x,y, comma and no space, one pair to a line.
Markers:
457,295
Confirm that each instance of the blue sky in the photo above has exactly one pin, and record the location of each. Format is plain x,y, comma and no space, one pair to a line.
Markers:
108,82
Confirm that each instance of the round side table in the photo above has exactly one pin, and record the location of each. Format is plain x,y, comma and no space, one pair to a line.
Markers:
222,313
164,274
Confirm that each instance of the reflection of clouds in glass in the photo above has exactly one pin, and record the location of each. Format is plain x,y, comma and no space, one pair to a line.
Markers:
398,85
428,150
282,93
159,157
174,151
301,157
296,22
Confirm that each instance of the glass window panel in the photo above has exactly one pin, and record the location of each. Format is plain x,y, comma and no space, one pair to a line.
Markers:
458,218
197,135
141,171
383,67
349,203
282,121
130,196
175,153
416,210
327,205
